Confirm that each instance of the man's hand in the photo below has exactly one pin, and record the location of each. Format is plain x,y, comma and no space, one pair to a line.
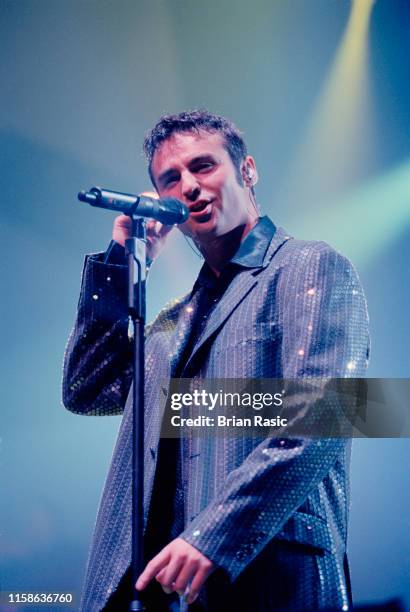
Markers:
156,231
178,567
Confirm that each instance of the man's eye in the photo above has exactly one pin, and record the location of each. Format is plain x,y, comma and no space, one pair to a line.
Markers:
204,167
171,181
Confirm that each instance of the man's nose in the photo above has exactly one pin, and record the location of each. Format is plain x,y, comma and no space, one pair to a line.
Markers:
190,187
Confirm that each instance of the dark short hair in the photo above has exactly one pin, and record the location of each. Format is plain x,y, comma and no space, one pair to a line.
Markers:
193,121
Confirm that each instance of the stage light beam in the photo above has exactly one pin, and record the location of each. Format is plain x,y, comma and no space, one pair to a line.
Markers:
336,146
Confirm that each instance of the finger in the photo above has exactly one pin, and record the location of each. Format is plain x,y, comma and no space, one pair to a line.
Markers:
167,576
123,220
188,570
164,229
159,577
150,224
121,229
197,583
152,235
152,569
155,228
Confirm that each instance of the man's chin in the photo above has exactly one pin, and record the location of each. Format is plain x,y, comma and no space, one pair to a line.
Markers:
202,228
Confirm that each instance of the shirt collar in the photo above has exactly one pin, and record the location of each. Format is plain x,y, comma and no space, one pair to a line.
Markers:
252,250
250,253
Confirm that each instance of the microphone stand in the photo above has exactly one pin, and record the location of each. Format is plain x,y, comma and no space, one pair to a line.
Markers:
135,248
169,211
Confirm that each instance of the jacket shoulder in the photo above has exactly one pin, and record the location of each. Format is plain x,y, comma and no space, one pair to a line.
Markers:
306,254
295,246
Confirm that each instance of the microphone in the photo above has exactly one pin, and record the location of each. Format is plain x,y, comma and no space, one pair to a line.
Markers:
168,211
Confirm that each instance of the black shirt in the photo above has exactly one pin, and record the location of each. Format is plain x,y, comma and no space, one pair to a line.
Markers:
250,254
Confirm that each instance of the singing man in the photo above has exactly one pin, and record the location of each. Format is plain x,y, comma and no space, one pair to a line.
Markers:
230,524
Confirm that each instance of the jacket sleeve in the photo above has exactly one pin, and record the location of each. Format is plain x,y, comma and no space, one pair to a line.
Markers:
324,329
97,362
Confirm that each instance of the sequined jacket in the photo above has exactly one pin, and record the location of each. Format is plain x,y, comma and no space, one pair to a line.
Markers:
272,515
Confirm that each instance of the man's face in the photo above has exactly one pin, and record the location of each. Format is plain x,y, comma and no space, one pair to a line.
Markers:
197,169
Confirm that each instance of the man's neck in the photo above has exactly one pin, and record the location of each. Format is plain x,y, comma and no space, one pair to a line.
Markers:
219,251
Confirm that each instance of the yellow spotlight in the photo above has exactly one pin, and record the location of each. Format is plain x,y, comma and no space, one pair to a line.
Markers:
337,141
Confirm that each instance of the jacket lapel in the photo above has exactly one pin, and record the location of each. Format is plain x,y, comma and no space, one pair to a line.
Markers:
241,286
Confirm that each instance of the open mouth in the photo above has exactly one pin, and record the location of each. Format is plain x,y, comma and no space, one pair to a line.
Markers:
200,206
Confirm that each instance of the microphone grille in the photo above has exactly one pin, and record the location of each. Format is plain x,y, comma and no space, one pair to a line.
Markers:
177,208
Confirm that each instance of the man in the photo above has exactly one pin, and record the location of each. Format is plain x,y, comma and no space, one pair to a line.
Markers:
244,525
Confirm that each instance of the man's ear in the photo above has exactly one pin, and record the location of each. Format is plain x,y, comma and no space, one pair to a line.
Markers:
249,172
